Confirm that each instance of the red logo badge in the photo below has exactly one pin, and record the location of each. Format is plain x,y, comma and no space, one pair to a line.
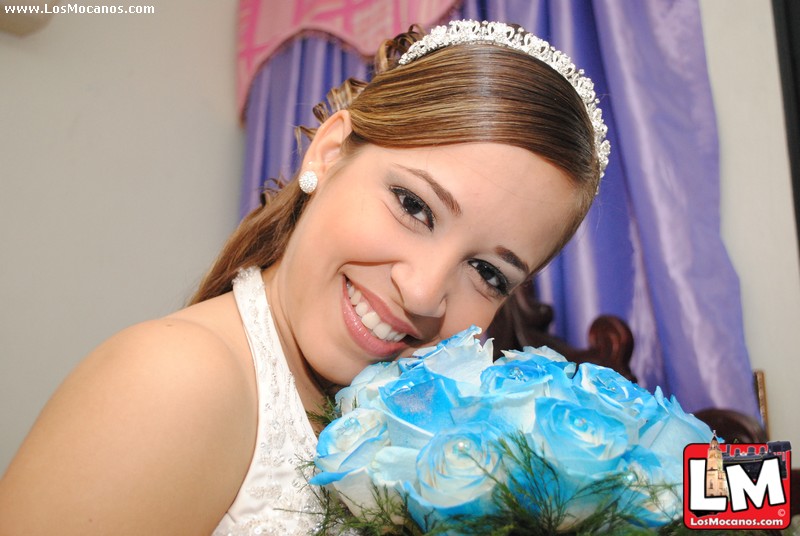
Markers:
736,486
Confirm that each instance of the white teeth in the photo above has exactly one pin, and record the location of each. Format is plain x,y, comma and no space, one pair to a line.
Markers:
381,330
370,318
355,297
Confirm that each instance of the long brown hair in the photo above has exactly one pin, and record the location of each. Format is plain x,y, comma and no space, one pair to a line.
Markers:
458,94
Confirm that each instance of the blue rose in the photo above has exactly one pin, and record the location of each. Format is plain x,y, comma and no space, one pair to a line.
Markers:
422,398
455,474
428,394
461,358
520,368
610,389
345,452
521,375
584,447
509,390
543,355
651,497
349,443
609,392
363,390
467,337
669,431
580,438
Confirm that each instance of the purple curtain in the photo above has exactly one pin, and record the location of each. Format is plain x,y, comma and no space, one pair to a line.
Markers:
650,249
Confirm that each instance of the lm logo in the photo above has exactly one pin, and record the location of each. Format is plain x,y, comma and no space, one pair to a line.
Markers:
737,485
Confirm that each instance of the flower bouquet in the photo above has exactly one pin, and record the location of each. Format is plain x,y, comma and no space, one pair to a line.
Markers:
449,441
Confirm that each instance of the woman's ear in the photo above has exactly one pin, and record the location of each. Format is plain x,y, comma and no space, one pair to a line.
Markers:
326,147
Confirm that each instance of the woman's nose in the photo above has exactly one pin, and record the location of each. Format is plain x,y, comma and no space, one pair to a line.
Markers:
423,284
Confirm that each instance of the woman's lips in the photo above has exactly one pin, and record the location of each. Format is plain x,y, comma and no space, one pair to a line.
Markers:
363,336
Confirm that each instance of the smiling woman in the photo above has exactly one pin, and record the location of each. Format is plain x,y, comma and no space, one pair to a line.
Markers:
427,196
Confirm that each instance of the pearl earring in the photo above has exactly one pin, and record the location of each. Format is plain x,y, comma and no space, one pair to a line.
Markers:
308,181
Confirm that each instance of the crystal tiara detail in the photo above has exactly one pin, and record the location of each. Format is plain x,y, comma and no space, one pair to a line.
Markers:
501,34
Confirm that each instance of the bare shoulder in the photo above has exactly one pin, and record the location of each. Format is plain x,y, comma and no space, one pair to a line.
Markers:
151,433
194,346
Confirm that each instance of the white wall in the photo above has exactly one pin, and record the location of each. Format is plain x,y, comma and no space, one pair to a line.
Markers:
758,224
120,157
120,164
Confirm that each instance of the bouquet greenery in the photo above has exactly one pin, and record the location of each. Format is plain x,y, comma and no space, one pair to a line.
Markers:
449,441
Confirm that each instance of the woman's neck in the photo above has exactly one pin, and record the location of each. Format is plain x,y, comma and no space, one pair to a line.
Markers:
314,390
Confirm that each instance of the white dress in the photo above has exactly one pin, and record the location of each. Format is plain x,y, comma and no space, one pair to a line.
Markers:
275,498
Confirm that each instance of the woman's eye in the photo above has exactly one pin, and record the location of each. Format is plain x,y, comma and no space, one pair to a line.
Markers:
493,277
414,206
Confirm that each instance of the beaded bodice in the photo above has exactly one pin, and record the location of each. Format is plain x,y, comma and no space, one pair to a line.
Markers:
275,498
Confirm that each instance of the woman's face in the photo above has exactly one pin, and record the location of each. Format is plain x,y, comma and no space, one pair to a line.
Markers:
398,249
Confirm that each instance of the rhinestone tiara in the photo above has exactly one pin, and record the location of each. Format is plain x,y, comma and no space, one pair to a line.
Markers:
501,34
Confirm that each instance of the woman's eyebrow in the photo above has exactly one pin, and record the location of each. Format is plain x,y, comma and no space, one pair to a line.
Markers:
441,192
511,258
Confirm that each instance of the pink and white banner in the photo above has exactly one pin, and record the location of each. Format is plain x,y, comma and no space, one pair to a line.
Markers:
362,24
